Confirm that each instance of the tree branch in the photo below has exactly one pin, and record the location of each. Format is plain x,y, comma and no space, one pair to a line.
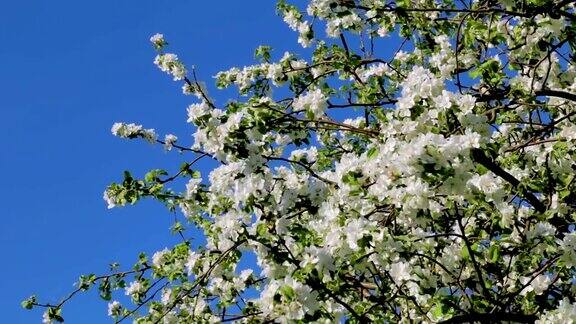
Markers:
480,157
491,318
556,93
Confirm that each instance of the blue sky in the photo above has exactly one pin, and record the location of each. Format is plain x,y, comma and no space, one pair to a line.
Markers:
69,70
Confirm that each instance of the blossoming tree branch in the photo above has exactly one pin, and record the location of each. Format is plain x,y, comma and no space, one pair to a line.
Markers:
417,166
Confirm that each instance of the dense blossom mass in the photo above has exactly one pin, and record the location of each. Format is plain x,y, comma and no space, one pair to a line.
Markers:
418,166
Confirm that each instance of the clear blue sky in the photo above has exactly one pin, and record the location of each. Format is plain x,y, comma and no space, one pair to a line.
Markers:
68,70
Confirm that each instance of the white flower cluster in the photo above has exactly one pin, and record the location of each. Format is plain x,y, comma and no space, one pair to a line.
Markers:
420,83
294,20
310,155
565,313
158,257
114,308
349,22
538,285
135,289
297,300
245,77
169,141
46,318
568,246
158,41
444,59
379,70
339,16
170,64
110,199
213,137
132,131
384,21
400,271
313,101
198,110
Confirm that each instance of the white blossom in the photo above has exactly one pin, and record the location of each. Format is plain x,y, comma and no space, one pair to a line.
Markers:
169,141
538,284
46,318
170,64
400,271
158,257
193,258
565,313
110,199
314,101
158,41
135,287
114,308
132,130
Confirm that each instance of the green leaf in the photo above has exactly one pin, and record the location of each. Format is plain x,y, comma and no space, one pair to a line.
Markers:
86,281
29,302
351,178
464,253
196,174
127,176
154,175
372,152
263,52
494,253
177,227
287,292
261,229
142,258
55,314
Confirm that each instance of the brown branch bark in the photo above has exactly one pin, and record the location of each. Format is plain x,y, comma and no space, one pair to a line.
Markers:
491,318
480,157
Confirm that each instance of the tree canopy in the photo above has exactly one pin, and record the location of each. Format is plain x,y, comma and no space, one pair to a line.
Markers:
415,163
